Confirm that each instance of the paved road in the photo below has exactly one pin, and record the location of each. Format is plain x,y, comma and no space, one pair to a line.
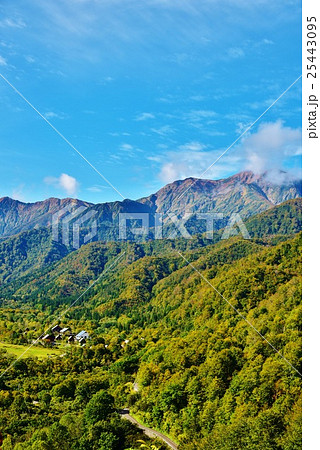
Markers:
148,431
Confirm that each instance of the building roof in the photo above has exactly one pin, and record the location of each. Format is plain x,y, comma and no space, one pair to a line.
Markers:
48,336
63,330
82,334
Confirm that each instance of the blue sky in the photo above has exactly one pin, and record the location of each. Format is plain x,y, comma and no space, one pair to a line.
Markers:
149,91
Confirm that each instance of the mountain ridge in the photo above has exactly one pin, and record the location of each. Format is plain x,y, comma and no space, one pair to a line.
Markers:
35,250
17,216
274,193
245,192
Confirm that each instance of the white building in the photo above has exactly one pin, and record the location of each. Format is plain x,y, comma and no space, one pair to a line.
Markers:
82,335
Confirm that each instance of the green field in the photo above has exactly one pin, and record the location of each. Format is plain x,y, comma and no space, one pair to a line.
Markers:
39,352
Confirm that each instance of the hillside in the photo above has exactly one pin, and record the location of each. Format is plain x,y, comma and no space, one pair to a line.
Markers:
284,219
169,346
191,355
204,375
34,255
28,251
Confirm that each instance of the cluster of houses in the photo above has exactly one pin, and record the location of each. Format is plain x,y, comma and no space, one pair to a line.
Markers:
58,334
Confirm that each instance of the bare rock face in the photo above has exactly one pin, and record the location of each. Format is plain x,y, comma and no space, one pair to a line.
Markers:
244,193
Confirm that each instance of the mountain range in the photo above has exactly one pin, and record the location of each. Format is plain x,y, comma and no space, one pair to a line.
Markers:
200,338
30,251
244,193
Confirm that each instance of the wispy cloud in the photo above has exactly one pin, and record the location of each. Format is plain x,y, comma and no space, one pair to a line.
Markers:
192,147
165,130
12,23
54,115
236,52
247,47
18,193
197,98
94,29
144,116
126,147
97,188
30,59
154,158
3,61
200,118
198,115
128,151
267,41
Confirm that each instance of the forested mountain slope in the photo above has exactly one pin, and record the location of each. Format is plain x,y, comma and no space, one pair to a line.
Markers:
171,347
27,252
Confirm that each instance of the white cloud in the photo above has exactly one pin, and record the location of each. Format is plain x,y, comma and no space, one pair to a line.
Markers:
53,115
66,182
268,149
267,42
191,160
126,147
192,146
165,130
154,158
171,172
270,146
3,61
70,184
144,116
181,167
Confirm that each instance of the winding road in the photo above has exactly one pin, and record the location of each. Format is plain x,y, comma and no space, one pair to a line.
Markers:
148,431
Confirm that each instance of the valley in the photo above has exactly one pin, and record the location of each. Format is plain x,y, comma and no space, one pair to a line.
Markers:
193,356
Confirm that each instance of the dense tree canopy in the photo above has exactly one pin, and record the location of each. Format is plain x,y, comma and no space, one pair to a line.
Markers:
181,350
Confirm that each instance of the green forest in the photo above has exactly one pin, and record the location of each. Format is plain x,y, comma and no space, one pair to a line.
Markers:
208,353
